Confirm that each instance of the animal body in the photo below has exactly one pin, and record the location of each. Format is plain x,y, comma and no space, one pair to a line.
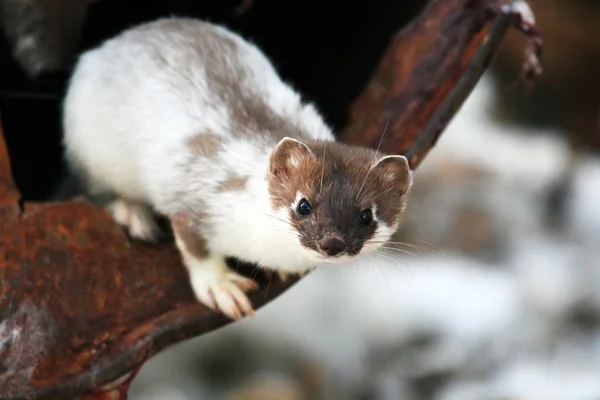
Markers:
186,119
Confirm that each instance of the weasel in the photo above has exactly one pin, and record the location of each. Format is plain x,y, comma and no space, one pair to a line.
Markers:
188,120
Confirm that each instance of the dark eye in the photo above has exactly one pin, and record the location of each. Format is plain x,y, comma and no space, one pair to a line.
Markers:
304,207
366,216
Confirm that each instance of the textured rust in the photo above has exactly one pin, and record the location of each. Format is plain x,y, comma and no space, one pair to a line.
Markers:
81,306
427,72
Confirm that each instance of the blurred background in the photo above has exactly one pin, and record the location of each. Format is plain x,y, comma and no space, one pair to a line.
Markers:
495,294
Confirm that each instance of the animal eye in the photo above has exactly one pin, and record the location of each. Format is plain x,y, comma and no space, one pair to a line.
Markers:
304,207
366,216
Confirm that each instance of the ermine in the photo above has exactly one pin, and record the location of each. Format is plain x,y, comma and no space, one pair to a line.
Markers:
187,120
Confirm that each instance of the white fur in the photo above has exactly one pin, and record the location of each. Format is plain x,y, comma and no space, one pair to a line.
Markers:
382,233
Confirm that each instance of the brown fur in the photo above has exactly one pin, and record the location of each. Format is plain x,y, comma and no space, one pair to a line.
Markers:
249,112
225,79
194,243
335,179
233,183
204,144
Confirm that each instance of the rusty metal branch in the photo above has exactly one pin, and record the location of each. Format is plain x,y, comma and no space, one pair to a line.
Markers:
429,70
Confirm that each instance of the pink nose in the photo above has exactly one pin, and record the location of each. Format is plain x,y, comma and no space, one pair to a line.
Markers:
332,246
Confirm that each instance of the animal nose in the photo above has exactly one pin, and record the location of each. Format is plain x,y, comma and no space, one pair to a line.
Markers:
332,246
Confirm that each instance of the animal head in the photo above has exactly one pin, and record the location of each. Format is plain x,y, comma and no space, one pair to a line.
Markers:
341,201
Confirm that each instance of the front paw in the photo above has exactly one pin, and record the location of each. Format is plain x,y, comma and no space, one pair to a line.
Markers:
223,290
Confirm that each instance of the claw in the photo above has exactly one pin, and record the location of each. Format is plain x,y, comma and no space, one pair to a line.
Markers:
222,290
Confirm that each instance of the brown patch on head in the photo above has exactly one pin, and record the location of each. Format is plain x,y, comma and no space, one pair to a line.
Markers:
232,183
292,169
204,144
339,182
193,242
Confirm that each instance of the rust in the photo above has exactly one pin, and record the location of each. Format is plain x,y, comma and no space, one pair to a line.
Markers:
96,299
100,305
428,71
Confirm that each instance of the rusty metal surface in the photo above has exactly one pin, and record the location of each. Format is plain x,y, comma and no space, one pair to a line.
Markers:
427,72
82,306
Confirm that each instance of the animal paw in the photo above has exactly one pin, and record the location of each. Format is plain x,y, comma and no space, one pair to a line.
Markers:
137,219
221,289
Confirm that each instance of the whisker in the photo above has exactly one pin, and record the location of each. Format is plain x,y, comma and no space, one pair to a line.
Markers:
397,259
274,216
370,262
382,242
382,135
432,251
282,232
399,251
269,284
374,157
381,269
255,272
425,250
403,267
395,262
431,246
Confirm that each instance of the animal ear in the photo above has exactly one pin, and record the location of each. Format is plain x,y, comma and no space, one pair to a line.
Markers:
395,170
289,153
